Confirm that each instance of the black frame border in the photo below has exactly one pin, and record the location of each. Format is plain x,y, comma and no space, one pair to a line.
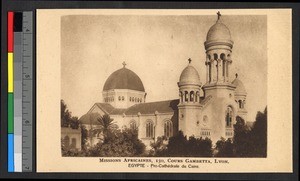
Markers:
32,5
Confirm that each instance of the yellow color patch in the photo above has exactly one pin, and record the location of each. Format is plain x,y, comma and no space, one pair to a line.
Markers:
10,73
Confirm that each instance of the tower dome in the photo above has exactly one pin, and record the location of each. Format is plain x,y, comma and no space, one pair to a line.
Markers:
218,31
124,79
189,75
218,35
240,88
218,46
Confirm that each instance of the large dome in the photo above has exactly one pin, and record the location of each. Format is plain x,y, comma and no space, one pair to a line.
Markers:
240,88
124,79
189,75
218,31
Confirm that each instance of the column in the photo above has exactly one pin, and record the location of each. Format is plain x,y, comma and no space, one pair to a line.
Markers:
225,71
213,70
228,67
207,70
219,70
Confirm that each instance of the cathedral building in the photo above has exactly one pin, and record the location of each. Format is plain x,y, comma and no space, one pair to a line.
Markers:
211,115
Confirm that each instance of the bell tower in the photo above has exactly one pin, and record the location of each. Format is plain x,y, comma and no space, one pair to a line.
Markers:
189,100
218,46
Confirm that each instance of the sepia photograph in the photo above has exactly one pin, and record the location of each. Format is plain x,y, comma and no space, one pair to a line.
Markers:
164,86
187,91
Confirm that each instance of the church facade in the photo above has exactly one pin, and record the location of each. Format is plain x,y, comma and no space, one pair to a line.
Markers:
211,115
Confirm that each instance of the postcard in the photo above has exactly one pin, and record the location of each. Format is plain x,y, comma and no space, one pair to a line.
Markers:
164,91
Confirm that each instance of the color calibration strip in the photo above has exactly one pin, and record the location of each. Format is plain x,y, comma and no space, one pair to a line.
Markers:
20,91
10,48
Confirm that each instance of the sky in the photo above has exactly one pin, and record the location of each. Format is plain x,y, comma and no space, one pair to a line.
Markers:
156,48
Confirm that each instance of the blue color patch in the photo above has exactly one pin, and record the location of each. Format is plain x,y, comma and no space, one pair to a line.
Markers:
10,152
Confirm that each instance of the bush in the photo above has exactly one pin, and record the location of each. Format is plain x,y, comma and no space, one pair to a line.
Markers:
246,142
180,146
225,148
123,143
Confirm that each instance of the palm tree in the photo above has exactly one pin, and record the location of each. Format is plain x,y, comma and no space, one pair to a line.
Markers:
107,126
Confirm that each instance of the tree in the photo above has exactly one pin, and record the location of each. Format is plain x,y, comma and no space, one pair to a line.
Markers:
180,146
246,142
123,143
199,147
159,147
259,134
107,127
64,114
225,148
177,145
84,137
67,120
241,140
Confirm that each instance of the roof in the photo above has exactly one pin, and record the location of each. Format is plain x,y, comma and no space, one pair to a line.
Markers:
189,75
143,108
106,107
124,79
90,118
151,107
240,88
218,31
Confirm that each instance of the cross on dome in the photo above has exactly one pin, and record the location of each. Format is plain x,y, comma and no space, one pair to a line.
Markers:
219,15
190,60
236,75
124,64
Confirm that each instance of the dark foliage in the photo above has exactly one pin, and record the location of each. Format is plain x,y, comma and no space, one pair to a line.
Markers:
119,143
225,148
246,142
259,134
67,120
158,147
180,146
241,141
84,137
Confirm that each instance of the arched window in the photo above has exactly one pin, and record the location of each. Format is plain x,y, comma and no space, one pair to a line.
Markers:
133,125
240,104
181,96
209,57
149,129
215,56
223,67
130,99
209,71
119,98
223,64
168,129
222,56
227,65
229,116
123,98
192,96
186,96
